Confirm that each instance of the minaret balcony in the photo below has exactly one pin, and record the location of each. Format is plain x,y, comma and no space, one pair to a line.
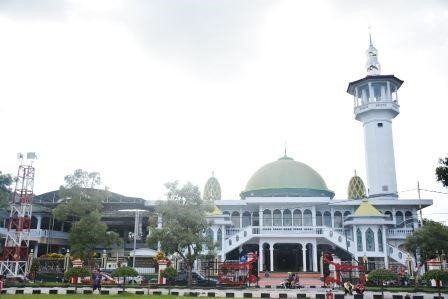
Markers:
390,106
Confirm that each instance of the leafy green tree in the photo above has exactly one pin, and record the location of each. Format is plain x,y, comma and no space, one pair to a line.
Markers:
82,205
379,276
183,224
442,171
88,233
170,274
76,272
80,196
124,272
427,241
5,183
438,276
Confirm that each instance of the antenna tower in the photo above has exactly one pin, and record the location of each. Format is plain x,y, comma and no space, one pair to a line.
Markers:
15,261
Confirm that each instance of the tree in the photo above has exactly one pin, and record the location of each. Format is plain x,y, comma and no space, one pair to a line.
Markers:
88,233
379,276
170,274
79,195
124,272
183,224
75,273
442,171
427,241
82,205
438,276
5,182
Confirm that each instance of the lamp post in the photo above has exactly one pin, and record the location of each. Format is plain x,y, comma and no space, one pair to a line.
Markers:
137,212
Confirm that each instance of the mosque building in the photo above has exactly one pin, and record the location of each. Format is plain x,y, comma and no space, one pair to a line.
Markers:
288,215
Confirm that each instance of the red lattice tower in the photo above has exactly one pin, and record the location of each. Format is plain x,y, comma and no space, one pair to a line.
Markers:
17,240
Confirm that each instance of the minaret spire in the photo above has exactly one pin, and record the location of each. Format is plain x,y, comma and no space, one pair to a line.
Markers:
373,66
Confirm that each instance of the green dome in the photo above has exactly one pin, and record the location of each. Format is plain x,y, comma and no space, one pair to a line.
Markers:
286,177
356,188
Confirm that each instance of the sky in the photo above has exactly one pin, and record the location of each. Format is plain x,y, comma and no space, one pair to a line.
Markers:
148,92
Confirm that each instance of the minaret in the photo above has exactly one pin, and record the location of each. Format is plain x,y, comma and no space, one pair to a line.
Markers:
376,104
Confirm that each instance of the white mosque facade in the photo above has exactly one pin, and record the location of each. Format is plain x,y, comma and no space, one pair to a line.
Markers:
288,215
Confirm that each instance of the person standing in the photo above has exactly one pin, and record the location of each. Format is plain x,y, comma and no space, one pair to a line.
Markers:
96,280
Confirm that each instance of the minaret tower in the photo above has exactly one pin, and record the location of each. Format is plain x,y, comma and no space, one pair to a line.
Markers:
376,104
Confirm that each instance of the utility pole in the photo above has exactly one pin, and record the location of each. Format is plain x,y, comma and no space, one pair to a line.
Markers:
420,203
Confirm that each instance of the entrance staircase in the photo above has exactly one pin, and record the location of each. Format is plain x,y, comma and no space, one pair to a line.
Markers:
332,235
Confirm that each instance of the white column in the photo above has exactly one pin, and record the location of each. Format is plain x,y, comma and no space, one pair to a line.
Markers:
260,256
313,215
260,216
315,257
385,248
271,255
371,95
39,221
304,256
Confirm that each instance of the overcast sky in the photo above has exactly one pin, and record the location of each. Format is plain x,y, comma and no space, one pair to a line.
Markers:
147,92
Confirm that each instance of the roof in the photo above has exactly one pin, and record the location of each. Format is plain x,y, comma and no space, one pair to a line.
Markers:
367,209
391,78
356,188
284,178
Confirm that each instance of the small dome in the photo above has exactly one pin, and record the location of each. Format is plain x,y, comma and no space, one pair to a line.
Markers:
286,177
356,188
212,189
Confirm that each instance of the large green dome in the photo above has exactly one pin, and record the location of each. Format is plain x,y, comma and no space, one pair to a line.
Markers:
286,177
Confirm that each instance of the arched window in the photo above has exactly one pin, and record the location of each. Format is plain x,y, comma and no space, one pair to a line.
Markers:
346,213
246,219
267,218
399,219
219,239
327,219
370,240
388,214
67,227
277,218
210,235
33,222
307,218
318,218
235,219
408,219
380,240
287,218
297,218
57,225
359,239
45,223
337,219
255,219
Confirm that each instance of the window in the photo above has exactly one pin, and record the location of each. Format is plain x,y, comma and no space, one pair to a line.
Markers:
255,219
380,240
408,219
246,219
399,219
277,218
210,235
359,239
388,214
327,219
287,218
385,188
267,218
307,218
219,239
370,240
380,125
318,218
337,219
235,219
297,218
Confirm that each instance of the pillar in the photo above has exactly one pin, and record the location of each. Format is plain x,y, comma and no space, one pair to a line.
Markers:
314,257
385,248
260,256
271,257
260,216
304,256
39,221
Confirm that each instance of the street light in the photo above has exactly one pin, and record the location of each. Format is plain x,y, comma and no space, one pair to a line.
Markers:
137,212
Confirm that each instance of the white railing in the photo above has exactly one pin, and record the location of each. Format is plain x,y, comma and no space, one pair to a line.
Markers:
41,233
398,255
339,239
399,232
296,230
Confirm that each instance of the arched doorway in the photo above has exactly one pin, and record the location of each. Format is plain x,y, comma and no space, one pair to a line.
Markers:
287,257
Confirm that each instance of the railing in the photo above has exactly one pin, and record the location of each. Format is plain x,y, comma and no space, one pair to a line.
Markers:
400,232
262,230
41,233
397,254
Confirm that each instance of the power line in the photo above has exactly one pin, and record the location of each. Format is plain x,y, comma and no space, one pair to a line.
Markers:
434,191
